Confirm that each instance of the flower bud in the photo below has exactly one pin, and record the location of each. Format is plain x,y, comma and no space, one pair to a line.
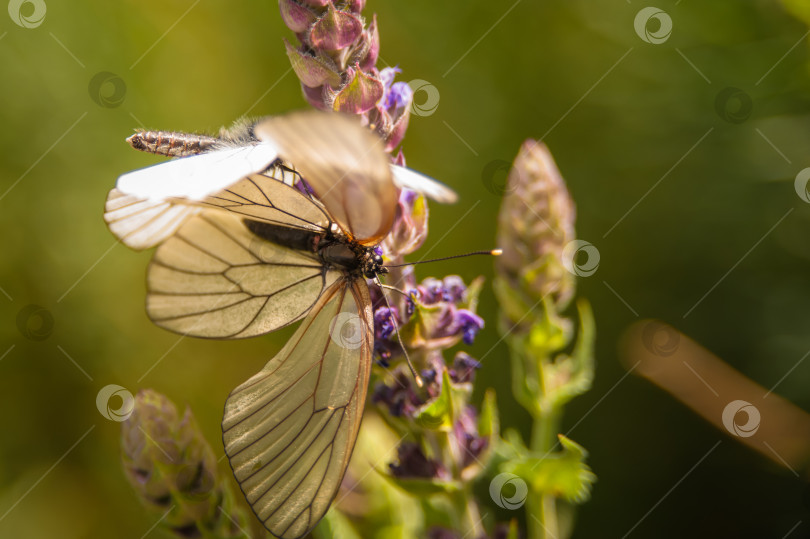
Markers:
536,222
335,30
312,71
173,470
359,94
410,226
296,16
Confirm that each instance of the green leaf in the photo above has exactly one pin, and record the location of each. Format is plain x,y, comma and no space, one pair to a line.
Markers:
417,486
569,376
441,412
562,474
335,524
549,333
473,293
438,414
488,421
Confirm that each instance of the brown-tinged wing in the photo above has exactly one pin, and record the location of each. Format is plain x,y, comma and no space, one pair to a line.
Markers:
289,431
344,163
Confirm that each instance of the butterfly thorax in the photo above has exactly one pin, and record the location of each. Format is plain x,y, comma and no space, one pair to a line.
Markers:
337,250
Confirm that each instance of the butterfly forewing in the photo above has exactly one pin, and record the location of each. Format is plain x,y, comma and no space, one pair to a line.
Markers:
140,223
289,430
344,163
198,176
215,278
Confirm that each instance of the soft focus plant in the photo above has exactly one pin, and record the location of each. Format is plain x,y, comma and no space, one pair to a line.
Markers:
174,472
534,287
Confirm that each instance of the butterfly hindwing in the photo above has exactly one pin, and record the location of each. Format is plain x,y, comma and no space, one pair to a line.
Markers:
289,430
215,278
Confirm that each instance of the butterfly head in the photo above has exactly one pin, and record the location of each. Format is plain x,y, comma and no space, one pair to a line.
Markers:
373,263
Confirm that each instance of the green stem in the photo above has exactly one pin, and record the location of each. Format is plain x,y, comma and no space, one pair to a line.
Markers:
542,508
467,514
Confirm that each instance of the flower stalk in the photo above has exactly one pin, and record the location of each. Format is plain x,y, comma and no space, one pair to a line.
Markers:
549,367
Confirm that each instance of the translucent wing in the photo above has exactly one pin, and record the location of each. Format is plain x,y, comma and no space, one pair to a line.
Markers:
410,179
140,223
344,163
215,278
270,200
289,430
197,176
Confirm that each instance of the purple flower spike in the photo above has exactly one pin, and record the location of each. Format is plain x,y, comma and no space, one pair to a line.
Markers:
399,398
432,291
469,323
410,226
384,319
360,94
335,30
398,96
456,289
464,367
387,76
466,433
414,463
297,17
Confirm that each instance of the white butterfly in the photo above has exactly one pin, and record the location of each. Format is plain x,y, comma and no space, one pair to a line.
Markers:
242,252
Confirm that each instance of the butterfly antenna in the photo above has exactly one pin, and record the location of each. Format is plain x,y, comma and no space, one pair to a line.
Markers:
491,252
416,377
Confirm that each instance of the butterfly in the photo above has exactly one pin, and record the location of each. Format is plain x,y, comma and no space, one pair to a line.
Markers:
245,247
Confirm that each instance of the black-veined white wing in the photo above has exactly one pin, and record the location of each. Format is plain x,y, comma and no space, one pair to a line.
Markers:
141,223
266,199
197,176
215,278
289,430
141,219
416,181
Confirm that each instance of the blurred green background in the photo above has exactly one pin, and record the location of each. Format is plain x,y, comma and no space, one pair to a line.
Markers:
619,114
